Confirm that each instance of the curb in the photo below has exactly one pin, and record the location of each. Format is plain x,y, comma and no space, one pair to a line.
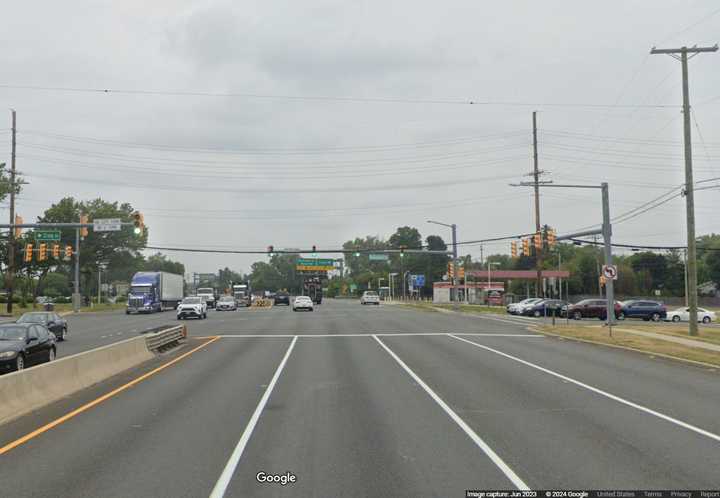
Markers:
711,366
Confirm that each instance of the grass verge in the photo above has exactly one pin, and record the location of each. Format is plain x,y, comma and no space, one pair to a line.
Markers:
705,334
599,334
64,308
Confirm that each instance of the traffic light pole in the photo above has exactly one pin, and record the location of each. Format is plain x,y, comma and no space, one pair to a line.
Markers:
76,293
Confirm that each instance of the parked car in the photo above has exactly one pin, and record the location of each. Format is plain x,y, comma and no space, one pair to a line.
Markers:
544,307
647,310
591,308
370,297
192,306
226,303
683,315
54,322
303,303
25,344
282,298
516,308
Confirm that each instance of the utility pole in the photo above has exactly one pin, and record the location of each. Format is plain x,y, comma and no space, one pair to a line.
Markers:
11,234
539,292
689,188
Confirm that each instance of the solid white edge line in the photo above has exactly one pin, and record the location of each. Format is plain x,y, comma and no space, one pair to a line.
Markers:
369,334
499,462
613,397
224,480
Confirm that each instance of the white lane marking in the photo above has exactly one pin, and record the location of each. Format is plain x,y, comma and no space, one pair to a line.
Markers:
224,480
596,390
499,462
384,334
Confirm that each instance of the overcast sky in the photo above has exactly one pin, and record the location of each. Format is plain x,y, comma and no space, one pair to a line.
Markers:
253,169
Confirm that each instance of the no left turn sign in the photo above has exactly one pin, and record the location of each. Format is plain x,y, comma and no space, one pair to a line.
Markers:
609,271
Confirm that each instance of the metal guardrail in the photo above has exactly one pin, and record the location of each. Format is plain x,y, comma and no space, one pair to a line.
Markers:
158,340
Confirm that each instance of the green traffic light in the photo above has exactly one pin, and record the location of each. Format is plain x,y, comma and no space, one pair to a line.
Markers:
137,231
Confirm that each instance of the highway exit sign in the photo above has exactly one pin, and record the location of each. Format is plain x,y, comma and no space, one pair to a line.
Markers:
47,235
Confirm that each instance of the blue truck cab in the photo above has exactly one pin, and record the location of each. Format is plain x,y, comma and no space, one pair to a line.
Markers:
153,291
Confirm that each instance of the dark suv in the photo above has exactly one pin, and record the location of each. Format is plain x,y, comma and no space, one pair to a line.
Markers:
591,308
546,307
282,298
647,310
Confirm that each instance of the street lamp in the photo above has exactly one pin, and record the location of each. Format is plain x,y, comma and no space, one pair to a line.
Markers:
452,226
495,263
392,287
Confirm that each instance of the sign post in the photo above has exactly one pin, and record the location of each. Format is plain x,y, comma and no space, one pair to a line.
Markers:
107,224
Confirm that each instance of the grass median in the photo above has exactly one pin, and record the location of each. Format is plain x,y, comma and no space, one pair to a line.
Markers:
63,308
650,345
464,308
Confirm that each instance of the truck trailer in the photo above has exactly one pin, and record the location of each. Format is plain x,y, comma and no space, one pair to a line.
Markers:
152,291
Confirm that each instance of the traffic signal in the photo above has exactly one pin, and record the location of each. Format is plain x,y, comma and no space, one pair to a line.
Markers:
18,221
461,272
402,251
514,249
42,252
83,230
314,251
271,250
139,222
28,252
526,247
551,237
56,251
68,251
451,270
538,241
357,254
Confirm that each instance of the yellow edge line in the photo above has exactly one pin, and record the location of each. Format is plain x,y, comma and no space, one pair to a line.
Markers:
96,401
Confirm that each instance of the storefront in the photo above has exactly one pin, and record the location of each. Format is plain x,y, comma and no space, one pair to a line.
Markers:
473,292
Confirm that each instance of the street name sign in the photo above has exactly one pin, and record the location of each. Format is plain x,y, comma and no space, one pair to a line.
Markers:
47,235
107,224
307,264
379,257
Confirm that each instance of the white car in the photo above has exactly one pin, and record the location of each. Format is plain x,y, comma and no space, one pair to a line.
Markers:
683,315
370,297
517,308
226,303
303,303
192,306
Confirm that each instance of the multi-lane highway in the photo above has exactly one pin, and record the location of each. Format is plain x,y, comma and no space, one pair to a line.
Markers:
368,401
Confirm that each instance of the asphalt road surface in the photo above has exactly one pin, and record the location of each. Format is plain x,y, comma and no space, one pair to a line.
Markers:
375,401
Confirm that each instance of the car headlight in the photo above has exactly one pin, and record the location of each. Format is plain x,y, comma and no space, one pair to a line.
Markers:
8,354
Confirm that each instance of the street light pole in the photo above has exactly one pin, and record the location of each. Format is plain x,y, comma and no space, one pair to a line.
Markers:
452,226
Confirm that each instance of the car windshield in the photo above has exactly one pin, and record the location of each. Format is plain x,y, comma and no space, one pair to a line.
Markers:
371,294
226,299
192,300
140,289
34,318
205,291
12,333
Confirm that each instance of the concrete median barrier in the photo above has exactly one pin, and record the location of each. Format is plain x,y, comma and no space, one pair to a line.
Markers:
27,390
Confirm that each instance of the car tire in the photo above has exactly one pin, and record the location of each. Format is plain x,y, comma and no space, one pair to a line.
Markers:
537,314
52,355
205,316
621,316
19,363
577,315
127,312
706,319
63,335
676,318
655,317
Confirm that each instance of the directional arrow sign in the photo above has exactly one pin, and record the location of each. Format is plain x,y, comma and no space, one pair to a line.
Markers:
610,272
47,235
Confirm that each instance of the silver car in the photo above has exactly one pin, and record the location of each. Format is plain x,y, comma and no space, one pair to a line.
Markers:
226,303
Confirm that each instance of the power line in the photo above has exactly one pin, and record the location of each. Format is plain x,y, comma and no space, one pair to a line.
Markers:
381,100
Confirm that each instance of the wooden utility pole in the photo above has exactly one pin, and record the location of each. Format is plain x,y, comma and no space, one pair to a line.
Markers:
11,234
536,178
689,183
